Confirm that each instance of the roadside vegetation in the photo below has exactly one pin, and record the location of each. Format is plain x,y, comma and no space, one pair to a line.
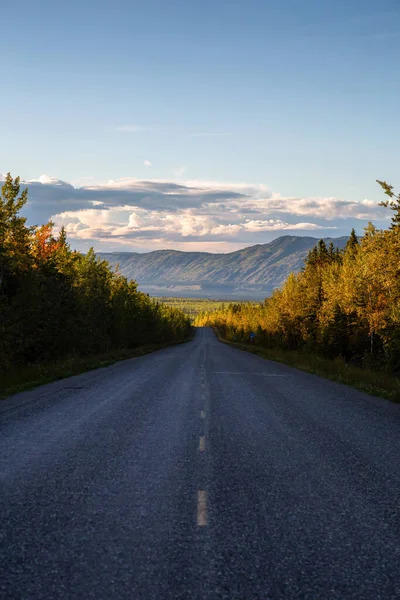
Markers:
338,317
193,306
60,309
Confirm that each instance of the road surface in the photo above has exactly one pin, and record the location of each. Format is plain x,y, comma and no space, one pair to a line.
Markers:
199,471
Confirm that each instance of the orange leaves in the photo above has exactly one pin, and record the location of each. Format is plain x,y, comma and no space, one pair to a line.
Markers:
44,244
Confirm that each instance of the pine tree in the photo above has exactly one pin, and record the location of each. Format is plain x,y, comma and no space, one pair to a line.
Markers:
352,242
323,253
62,238
14,235
352,245
55,302
311,259
393,203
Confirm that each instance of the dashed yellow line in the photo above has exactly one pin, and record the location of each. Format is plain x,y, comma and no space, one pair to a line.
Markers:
201,508
202,445
203,414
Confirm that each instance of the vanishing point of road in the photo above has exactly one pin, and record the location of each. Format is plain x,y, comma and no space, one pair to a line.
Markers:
199,472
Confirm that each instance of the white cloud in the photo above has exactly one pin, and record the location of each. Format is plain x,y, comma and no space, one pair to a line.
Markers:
49,180
147,163
146,214
277,225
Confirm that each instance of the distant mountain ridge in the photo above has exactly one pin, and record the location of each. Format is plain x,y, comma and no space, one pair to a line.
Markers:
252,272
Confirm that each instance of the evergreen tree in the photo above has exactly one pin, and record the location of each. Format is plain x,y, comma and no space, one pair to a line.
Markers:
352,242
62,238
55,302
323,254
393,203
14,235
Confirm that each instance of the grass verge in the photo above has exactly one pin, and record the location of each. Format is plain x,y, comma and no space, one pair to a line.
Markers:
375,383
31,376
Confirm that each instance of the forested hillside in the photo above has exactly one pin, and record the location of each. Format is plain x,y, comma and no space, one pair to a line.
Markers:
344,303
55,302
249,273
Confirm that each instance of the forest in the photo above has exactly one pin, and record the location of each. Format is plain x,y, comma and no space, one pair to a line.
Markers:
56,302
193,306
343,304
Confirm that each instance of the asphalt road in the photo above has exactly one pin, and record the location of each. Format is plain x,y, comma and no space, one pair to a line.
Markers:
199,471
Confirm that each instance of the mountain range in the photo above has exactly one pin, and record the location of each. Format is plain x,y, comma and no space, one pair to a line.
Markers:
251,273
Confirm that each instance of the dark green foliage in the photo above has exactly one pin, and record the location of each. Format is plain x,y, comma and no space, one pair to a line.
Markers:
352,242
323,253
57,303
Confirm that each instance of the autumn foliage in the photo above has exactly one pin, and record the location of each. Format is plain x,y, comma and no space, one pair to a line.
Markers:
56,303
342,304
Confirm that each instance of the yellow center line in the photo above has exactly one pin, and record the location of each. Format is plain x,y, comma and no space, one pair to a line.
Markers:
201,508
203,414
202,445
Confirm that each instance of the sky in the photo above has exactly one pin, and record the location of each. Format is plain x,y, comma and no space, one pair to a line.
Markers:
201,125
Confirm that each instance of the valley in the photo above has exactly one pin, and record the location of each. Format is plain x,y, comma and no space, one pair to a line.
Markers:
248,274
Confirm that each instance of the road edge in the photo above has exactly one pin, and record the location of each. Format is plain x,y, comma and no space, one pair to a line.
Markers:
339,376
77,365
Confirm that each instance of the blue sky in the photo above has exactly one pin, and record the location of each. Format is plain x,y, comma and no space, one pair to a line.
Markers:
301,98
